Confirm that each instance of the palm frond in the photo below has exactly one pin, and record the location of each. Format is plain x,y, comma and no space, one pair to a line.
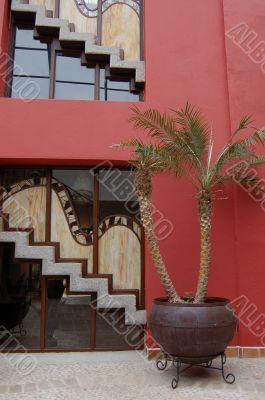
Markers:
193,127
163,127
243,124
152,157
153,121
242,174
247,182
241,147
234,152
257,160
252,182
258,137
183,142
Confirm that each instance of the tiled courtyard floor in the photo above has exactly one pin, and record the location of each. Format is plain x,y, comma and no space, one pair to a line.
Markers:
123,375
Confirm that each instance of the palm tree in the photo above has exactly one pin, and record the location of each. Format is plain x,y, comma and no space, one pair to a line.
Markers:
148,161
181,142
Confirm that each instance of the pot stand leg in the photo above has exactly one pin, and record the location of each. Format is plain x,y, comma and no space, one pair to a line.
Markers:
229,378
162,365
175,381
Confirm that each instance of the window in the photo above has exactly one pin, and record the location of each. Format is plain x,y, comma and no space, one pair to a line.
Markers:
68,318
80,187
31,69
118,90
72,80
116,194
20,299
93,214
44,70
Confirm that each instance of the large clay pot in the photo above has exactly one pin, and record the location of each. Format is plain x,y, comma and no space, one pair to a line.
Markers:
193,333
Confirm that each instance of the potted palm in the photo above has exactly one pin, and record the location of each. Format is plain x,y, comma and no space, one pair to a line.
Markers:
195,329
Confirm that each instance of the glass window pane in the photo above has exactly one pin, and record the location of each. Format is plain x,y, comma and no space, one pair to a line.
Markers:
112,333
20,301
31,62
68,317
116,194
116,95
24,38
102,81
115,90
30,88
69,69
80,187
119,85
74,91
102,77
102,94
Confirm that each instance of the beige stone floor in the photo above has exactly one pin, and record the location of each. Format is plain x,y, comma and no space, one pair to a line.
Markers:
122,375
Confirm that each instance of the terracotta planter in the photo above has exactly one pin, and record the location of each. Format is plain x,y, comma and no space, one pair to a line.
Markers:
193,333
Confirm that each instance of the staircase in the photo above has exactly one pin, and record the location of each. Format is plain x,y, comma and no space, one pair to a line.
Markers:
49,254
65,31
27,249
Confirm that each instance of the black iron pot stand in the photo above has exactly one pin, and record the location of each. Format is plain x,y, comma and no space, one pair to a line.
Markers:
177,363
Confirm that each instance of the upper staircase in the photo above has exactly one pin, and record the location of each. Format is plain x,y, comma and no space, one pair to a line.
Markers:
45,25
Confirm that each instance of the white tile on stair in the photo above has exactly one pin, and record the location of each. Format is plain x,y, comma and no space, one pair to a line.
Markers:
35,252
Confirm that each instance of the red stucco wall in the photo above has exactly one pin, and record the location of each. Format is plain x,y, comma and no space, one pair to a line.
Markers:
246,81
188,56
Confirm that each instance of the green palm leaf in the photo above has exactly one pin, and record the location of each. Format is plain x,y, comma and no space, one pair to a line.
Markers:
153,157
192,126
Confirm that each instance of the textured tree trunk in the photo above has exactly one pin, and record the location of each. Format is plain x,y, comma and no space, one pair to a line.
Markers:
205,214
143,186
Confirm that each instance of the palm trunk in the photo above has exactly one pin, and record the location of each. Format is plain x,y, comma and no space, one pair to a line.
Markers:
205,214
143,186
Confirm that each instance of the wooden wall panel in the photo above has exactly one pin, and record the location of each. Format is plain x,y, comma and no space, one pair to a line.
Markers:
1,224
50,4
60,232
27,209
121,28
120,255
68,10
